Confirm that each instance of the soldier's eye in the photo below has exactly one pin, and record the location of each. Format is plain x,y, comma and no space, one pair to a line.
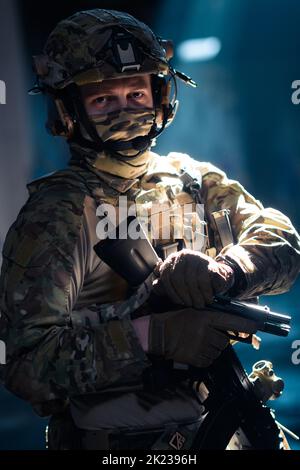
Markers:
137,95
100,100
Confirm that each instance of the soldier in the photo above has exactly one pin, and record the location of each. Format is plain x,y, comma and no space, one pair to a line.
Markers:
107,78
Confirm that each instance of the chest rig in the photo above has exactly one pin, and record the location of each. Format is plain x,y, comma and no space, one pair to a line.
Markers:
173,214
170,207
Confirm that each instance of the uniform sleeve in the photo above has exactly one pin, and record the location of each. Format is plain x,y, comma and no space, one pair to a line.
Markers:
49,356
267,246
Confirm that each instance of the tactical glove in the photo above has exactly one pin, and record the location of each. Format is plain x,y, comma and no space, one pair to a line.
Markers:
192,279
193,337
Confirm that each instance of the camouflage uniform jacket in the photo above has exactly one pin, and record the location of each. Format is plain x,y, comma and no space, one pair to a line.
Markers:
50,274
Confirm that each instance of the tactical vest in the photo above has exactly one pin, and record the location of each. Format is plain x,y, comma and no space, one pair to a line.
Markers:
169,206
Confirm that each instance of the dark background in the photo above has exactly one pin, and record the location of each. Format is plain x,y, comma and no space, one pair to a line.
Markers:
241,118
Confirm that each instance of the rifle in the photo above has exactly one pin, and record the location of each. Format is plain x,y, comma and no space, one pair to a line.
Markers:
233,400
135,261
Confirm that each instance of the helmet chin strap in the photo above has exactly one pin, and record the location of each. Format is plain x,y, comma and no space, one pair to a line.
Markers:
140,143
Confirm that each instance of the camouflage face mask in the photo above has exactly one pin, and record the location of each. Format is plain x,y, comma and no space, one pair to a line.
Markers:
123,125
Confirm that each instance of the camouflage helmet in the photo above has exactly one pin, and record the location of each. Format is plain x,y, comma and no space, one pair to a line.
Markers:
94,45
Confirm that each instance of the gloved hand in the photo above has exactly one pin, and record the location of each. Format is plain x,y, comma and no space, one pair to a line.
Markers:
192,279
193,337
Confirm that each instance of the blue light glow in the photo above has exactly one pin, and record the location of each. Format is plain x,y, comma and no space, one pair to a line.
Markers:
198,50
